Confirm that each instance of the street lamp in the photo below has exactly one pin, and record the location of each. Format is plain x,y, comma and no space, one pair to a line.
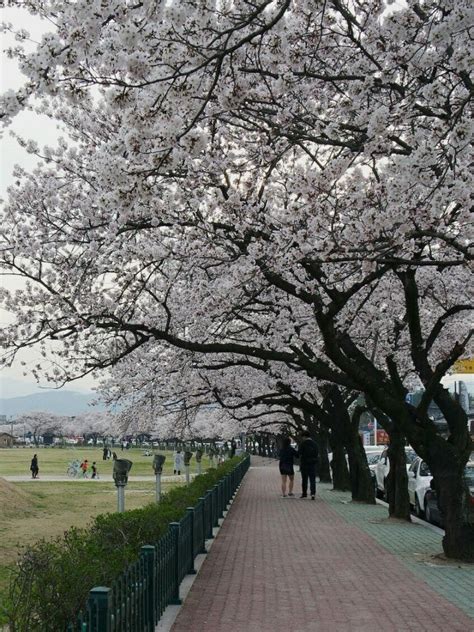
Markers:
187,459
212,453
198,460
158,462
120,473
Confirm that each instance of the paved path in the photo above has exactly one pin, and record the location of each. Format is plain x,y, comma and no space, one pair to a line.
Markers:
63,478
284,564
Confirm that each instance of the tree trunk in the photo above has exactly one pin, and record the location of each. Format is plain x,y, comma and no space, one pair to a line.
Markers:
361,481
324,470
362,488
340,472
397,480
453,496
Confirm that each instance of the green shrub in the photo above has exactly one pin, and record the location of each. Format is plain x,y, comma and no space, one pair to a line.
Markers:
53,578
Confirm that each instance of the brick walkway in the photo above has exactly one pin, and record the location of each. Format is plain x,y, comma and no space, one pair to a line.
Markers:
283,564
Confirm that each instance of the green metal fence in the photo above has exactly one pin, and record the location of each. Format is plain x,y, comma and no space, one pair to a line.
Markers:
136,600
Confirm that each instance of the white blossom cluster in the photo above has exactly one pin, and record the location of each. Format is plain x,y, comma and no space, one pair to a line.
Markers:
244,180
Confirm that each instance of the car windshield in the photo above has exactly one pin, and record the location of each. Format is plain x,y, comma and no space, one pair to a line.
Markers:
469,475
373,458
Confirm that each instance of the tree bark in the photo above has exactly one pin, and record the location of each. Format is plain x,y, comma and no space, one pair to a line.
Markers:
361,481
453,496
397,479
340,472
324,470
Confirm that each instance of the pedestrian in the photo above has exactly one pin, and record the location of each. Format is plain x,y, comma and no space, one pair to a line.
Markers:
178,461
84,467
286,456
233,447
34,467
94,470
308,455
114,456
105,454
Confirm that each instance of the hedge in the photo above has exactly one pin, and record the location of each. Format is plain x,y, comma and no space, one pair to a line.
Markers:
52,579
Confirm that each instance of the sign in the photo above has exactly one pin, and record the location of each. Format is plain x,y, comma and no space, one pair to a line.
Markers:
464,366
382,437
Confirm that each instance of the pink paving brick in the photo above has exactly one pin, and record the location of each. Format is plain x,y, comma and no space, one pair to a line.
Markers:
283,564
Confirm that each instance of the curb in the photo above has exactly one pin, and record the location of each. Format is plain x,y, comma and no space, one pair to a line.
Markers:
171,612
416,520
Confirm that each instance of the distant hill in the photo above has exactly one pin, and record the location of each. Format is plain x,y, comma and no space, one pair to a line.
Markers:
58,402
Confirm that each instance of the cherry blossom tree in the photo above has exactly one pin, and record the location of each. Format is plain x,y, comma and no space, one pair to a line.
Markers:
284,182
39,423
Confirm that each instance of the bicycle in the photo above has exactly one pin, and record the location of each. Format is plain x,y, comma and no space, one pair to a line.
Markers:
74,469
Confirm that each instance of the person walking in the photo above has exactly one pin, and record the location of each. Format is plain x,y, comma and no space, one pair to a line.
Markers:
34,467
178,461
286,456
94,470
308,453
84,467
105,453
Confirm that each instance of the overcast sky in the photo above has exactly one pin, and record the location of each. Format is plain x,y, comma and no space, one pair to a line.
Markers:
29,125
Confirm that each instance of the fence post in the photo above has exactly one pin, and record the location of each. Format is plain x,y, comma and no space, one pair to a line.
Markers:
191,570
175,529
99,608
148,553
215,502
210,534
202,548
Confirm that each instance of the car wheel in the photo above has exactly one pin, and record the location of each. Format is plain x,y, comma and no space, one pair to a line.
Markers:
418,509
385,490
428,516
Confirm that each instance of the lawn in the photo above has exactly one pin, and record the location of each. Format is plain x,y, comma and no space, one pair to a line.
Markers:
32,510
55,461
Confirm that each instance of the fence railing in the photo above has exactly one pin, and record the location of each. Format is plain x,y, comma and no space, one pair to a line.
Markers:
138,597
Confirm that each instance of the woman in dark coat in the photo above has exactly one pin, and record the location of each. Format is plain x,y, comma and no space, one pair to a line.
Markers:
287,454
34,467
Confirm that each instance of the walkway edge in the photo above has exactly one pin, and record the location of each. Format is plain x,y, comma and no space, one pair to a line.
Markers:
171,612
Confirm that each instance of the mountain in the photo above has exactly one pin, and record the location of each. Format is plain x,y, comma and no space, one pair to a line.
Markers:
58,402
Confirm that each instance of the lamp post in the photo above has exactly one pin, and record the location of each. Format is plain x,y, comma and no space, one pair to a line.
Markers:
198,460
121,469
187,459
212,453
158,461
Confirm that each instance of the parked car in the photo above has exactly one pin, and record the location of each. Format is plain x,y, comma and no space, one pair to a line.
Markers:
382,469
432,511
372,459
419,478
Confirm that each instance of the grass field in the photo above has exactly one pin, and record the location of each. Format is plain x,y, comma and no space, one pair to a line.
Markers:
32,510
55,461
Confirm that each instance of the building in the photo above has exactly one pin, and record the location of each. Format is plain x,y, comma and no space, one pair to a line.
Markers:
6,440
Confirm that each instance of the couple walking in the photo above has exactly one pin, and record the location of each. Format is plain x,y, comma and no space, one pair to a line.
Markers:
308,456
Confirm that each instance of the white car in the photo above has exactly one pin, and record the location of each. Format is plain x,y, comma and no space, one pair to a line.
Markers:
373,458
419,478
382,469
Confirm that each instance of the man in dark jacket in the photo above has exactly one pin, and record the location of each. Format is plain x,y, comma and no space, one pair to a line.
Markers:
308,454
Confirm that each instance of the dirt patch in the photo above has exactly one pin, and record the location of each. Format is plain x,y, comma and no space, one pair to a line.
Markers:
13,499
440,559
389,521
